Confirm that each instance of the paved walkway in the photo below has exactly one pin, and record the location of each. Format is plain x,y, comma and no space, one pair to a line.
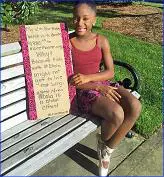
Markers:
146,160
133,157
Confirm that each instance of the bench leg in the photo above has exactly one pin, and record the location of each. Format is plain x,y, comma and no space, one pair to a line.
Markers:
130,134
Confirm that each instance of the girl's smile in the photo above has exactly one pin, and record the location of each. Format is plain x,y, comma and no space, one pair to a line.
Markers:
81,29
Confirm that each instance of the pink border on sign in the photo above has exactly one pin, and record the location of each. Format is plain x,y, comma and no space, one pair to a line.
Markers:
68,64
31,107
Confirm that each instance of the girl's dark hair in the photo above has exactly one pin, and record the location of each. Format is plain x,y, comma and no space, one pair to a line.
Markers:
90,3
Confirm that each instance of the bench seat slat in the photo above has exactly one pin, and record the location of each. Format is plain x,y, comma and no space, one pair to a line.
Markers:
12,72
11,60
56,149
34,136
19,127
41,144
12,85
16,120
13,109
35,126
13,97
9,49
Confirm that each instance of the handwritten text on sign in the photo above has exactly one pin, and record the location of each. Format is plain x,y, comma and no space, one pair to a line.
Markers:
48,69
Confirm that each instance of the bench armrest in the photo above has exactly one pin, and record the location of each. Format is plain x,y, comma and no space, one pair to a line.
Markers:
127,83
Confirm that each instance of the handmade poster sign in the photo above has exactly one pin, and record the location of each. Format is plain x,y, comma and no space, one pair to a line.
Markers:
47,65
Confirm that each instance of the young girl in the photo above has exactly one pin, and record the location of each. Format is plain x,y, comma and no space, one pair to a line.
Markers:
117,108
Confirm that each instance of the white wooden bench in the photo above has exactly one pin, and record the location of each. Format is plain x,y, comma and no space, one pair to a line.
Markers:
27,145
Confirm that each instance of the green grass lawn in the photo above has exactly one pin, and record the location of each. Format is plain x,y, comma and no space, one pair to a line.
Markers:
145,57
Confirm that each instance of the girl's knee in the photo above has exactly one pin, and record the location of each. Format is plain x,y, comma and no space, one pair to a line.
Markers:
116,115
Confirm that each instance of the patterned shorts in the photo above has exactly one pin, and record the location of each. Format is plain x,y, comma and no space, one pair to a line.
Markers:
85,98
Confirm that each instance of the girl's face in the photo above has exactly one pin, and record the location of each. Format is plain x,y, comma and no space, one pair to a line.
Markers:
83,18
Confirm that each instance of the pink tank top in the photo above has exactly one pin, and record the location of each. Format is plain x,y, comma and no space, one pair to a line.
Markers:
86,62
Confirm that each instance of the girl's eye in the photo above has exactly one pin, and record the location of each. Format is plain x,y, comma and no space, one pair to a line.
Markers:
77,19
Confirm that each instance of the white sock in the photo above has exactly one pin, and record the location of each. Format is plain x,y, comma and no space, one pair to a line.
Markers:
110,150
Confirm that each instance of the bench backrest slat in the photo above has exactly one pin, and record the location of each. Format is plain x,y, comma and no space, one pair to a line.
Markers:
13,97
13,93
11,60
13,109
12,85
13,121
12,72
9,49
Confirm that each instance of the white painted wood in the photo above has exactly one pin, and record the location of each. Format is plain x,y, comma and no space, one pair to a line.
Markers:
56,149
16,120
11,85
35,127
9,49
13,97
11,60
37,135
13,109
43,143
12,72
36,140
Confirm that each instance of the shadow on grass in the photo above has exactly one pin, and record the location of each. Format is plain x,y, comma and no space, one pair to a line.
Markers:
113,14
46,17
67,8
107,13
78,154
62,7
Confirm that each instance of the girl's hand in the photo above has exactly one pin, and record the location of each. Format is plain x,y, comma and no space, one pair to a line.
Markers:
79,79
110,92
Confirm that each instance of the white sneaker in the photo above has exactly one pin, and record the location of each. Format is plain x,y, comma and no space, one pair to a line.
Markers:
104,154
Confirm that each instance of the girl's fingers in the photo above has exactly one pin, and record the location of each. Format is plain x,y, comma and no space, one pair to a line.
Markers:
76,80
111,98
114,88
76,76
77,83
112,93
73,78
115,97
117,94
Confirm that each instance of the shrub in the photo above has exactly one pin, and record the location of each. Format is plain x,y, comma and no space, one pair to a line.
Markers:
17,12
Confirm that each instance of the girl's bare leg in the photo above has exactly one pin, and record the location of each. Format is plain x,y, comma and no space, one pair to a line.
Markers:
132,110
118,119
112,116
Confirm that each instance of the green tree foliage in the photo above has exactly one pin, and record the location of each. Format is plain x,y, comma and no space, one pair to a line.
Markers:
17,12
